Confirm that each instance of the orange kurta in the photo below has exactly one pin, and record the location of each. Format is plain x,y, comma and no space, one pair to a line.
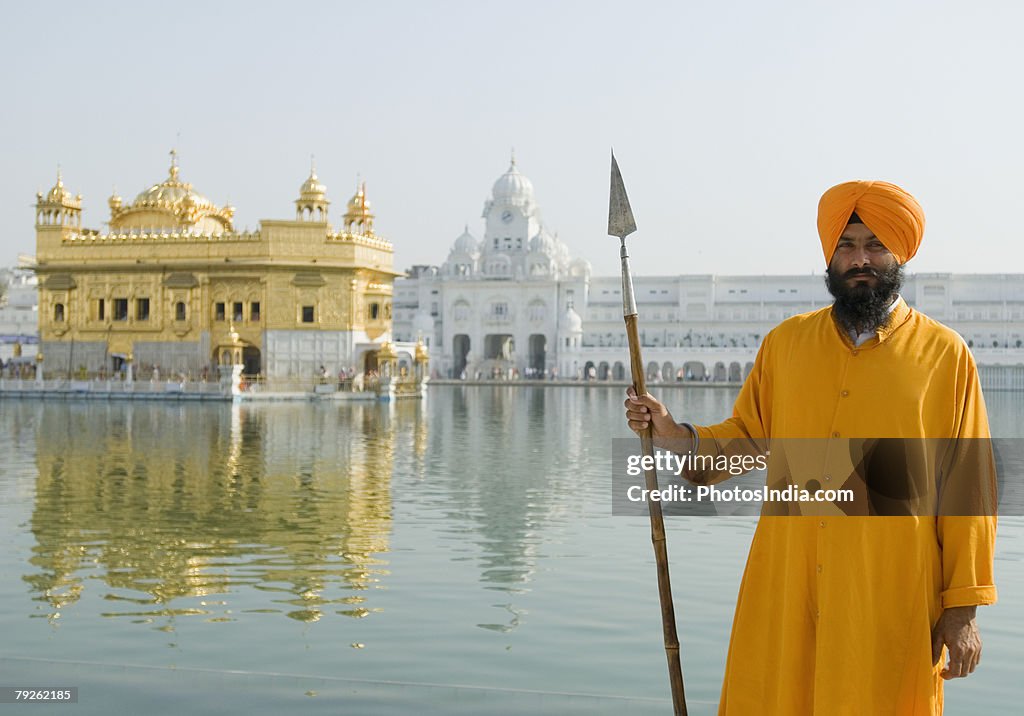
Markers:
834,614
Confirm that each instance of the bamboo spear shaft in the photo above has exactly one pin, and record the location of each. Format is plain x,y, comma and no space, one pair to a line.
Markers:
622,224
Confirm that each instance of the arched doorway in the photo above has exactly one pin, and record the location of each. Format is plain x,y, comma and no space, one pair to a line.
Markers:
720,372
499,346
618,371
460,349
653,372
538,353
602,370
668,371
735,372
369,362
251,361
694,370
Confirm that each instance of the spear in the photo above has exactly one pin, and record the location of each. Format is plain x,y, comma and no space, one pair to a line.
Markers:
622,224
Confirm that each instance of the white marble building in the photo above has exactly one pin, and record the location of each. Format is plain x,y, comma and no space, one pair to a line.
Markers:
516,301
497,304
19,313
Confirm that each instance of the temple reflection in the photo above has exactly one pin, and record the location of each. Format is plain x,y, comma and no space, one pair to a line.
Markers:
164,504
508,513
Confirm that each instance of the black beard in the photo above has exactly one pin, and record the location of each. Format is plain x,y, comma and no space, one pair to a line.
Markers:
862,308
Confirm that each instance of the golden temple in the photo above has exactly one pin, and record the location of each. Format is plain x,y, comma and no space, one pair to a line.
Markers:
174,286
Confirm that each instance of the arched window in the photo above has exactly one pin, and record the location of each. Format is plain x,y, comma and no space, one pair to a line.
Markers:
374,311
537,310
179,311
58,312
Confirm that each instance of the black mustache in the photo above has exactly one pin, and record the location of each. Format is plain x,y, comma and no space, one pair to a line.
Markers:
861,272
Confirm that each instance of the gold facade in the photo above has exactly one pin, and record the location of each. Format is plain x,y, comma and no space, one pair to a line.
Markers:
173,280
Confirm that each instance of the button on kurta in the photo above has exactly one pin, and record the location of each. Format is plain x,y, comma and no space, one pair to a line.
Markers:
835,434
845,393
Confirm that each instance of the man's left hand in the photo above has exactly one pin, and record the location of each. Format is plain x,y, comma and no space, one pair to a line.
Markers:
957,630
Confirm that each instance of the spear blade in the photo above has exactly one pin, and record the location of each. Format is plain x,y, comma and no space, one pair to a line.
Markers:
620,215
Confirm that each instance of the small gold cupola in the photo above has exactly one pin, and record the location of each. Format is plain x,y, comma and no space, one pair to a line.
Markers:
115,202
312,202
358,217
59,207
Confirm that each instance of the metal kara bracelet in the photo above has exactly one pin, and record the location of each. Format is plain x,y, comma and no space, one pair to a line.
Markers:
694,437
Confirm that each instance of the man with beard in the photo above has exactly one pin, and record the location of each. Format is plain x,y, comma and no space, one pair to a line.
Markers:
852,614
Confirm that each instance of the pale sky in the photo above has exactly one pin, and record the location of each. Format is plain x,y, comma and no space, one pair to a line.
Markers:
729,119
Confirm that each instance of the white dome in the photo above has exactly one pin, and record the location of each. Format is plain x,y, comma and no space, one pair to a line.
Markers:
571,321
561,251
512,185
542,243
466,244
580,267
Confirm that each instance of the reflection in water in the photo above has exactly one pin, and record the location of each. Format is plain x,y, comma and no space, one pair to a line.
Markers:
166,503
494,527
515,483
513,622
183,509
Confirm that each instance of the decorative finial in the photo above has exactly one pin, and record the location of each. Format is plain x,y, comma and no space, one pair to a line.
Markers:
60,176
513,157
312,165
174,163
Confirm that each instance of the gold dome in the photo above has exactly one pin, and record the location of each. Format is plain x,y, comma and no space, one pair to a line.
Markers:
359,204
358,212
422,354
171,193
172,204
312,189
386,352
312,202
59,195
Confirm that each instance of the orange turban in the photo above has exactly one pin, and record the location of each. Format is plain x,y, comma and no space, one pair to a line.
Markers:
893,215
